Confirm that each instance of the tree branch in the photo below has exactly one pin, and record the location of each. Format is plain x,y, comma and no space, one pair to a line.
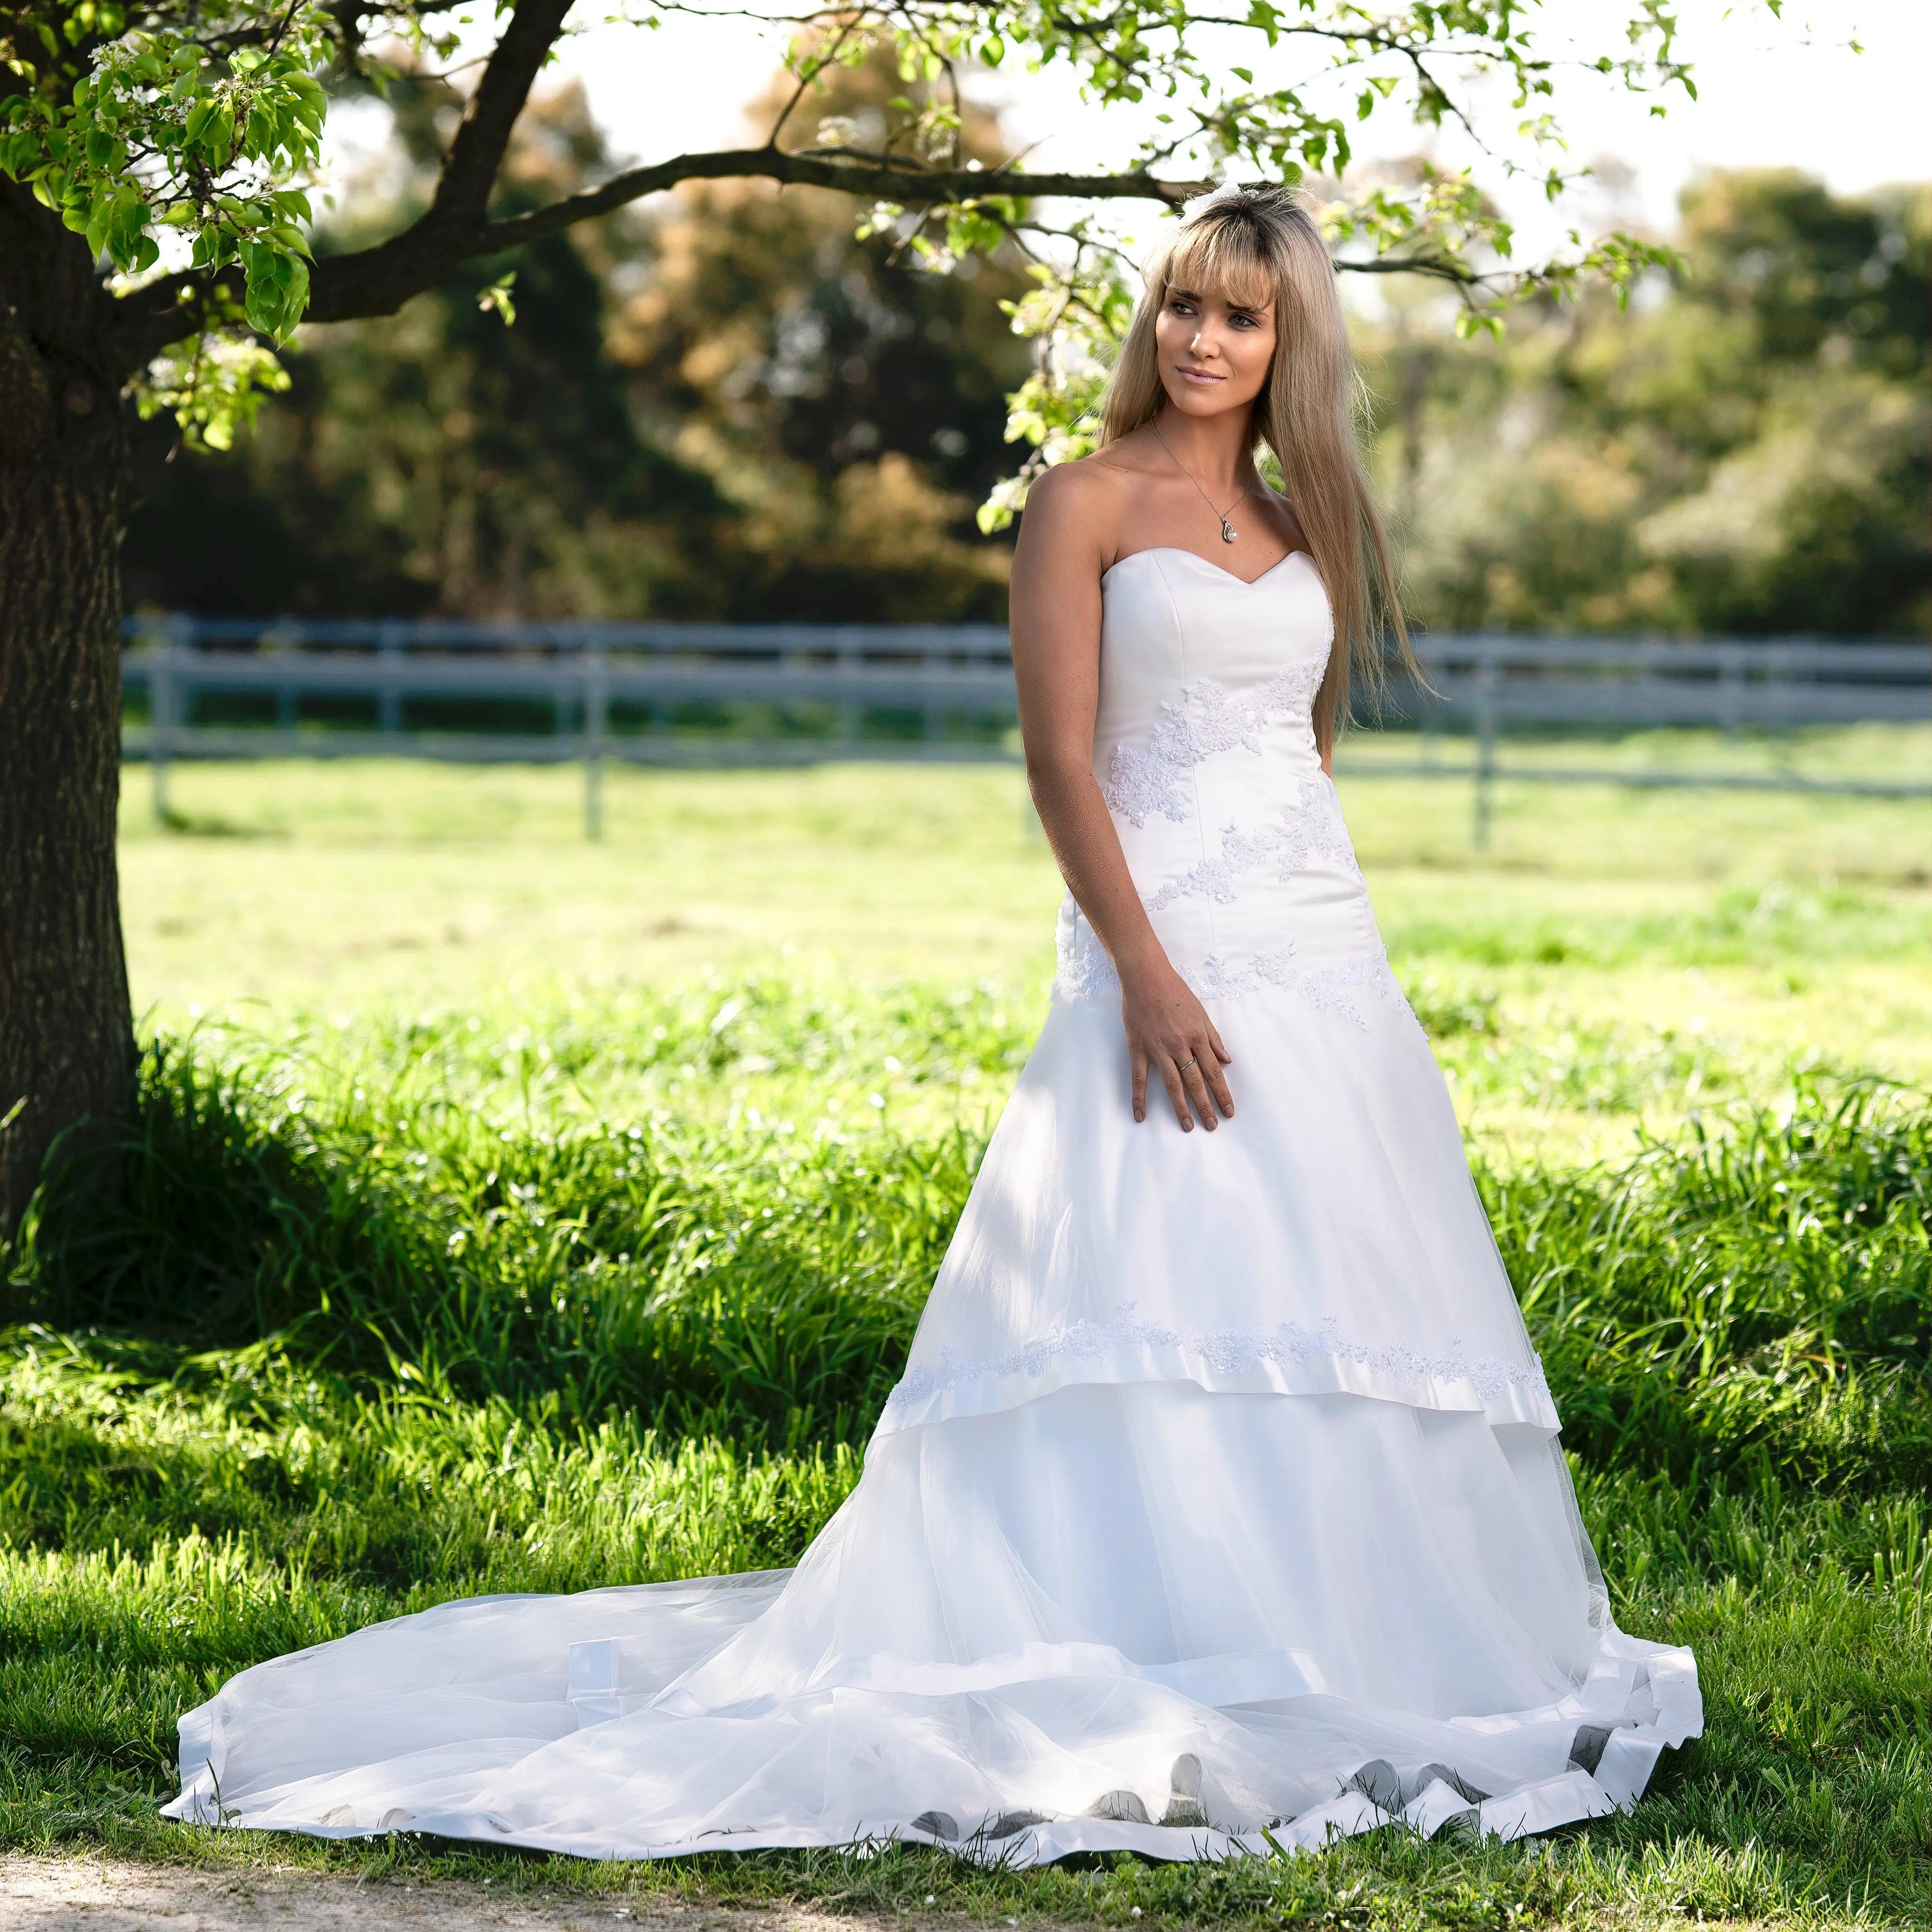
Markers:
377,280
1442,268
868,180
456,226
483,136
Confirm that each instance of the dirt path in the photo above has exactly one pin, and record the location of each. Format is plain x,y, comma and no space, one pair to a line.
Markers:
102,1895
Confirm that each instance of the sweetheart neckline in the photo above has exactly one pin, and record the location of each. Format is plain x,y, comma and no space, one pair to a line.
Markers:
1175,550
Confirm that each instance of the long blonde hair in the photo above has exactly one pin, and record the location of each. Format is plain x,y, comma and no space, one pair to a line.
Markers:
1258,245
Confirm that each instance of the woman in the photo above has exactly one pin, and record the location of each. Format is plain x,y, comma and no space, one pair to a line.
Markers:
1222,1493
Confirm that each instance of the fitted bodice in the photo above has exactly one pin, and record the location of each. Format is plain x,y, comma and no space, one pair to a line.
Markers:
1189,652
1204,749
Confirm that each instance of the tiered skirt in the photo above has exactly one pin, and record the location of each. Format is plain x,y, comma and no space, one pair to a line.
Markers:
1222,1506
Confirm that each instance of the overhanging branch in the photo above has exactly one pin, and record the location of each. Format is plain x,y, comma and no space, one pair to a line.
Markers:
482,136
864,180
378,281
456,225
1442,267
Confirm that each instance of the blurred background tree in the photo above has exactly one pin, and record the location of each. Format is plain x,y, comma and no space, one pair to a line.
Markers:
719,404
1750,451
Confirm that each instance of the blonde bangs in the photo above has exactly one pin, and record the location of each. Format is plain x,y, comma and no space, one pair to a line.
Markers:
1228,260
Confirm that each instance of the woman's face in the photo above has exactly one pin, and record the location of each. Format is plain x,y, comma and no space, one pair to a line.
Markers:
1214,354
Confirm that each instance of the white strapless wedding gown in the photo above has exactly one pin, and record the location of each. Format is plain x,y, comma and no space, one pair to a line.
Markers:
1221,1495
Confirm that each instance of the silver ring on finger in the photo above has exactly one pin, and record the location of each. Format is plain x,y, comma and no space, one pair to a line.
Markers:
1183,1065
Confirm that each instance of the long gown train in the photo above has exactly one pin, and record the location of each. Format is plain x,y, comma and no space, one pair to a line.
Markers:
1221,1503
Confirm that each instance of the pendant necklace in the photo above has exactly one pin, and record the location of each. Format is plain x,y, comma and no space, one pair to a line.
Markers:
1229,532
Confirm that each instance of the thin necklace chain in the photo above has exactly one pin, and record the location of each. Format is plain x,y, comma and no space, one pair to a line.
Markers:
1229,532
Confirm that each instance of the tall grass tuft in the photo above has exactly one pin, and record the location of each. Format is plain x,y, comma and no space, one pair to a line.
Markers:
1756,1298
746,1282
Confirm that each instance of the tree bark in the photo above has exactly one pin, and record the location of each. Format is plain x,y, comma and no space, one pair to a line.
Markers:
66,1051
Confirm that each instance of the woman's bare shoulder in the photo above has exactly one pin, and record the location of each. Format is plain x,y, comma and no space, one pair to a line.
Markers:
1084,498
1086,482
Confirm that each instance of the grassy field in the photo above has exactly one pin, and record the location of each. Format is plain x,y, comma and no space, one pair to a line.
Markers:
1614,958
506,1212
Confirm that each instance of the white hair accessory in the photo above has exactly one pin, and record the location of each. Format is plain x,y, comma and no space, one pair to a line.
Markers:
1228,193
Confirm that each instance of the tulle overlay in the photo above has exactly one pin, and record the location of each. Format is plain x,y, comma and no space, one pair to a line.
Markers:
1328,1239
1221,1504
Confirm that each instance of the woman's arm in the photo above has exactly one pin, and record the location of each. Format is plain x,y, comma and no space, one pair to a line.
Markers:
1056,633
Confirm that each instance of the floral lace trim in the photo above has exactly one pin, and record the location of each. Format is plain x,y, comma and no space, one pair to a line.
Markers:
1214,976
1085,972
1143,779
1311,827
1081,969
1229,1351
1329,989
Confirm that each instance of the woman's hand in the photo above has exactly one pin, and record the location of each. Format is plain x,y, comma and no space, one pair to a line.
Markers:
1168,1031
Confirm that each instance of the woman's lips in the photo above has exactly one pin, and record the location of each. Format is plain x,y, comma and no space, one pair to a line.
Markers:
1202,375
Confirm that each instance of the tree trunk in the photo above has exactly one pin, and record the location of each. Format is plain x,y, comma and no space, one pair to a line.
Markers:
66,1042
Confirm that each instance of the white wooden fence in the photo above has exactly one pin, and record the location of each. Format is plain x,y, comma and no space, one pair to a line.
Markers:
795,693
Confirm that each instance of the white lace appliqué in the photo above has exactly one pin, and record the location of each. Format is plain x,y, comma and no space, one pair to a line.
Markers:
1347,987
1229,1351
1310,827
1143,779
1333,989
1082,970
1215,978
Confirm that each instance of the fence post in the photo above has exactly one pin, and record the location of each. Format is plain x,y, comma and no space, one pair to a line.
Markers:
596,705
790,658
282,650
1730,687
162,705
851,659
934,723
1489,677
389,700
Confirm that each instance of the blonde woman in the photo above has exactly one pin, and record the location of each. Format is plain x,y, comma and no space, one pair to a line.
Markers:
1222,1494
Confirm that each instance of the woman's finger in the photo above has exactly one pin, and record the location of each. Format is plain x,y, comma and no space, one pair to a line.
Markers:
1140,1066
1217,1084
1177,1093
1221,1053
1195,1076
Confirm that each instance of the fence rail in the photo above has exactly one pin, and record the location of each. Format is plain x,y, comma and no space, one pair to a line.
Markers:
614,691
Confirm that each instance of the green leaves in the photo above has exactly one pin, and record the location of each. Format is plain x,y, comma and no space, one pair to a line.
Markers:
1283,108
278,285
1078,320
157,149
213,387
496,299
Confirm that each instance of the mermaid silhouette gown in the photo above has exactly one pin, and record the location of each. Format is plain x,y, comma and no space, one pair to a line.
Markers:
1222,1495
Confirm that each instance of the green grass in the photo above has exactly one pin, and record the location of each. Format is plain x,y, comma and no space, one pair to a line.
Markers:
562,1268
1613,960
